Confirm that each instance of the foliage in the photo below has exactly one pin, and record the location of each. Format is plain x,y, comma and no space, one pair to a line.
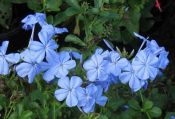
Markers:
88,22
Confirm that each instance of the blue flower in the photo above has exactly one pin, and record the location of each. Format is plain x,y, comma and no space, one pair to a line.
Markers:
163,60
172,117
107,83
86,98
77,56
146,65
68,90
29,67
128,75
99,98
96,68
7,60
50,30
116,63
30,20
59,66
44,48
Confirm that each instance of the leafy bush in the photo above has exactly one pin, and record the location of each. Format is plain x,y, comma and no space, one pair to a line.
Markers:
102,81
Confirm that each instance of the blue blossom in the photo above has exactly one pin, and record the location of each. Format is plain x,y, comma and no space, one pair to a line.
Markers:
128,75
87,97
59,66
116,63
77,56
30,20
68,90
172,117
163,60
104,54
107,83
29,67
50,30
96,68
7,60
146,65
99,98
44,48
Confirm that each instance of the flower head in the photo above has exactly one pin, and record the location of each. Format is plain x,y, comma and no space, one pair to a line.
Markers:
7,60
59,66
146,65
68,90
96,68
29,67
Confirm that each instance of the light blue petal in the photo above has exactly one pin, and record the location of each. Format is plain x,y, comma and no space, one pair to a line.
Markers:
4,66
101,100
125,77
36,46
92,75
3,47
52,44
69,64
31,75
13,58
88,65
64,83
75,82
23,69
44,38
49,75
135,84
61,94
71,99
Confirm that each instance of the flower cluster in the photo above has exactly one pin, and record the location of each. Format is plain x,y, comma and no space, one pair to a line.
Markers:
103,68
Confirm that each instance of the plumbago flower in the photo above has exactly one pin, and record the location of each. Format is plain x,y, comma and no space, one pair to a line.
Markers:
68,90
129,75
30,20
146,65
29,67
89,96
96,68
7,60
45,48
58,67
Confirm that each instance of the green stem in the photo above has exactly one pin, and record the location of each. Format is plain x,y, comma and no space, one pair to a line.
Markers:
141,96
148,115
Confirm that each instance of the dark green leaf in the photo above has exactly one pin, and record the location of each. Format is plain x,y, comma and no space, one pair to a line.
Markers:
147,105
53,5
134,104
155,112
75,40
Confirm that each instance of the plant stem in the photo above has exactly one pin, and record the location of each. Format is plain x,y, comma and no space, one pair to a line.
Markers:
141,96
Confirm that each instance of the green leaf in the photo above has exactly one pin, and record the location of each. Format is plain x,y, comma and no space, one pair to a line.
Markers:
103,117
73,3
53,5
147,105
74,39
63,16
155,112
26,115
35,5
134,104
5,14
20,108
